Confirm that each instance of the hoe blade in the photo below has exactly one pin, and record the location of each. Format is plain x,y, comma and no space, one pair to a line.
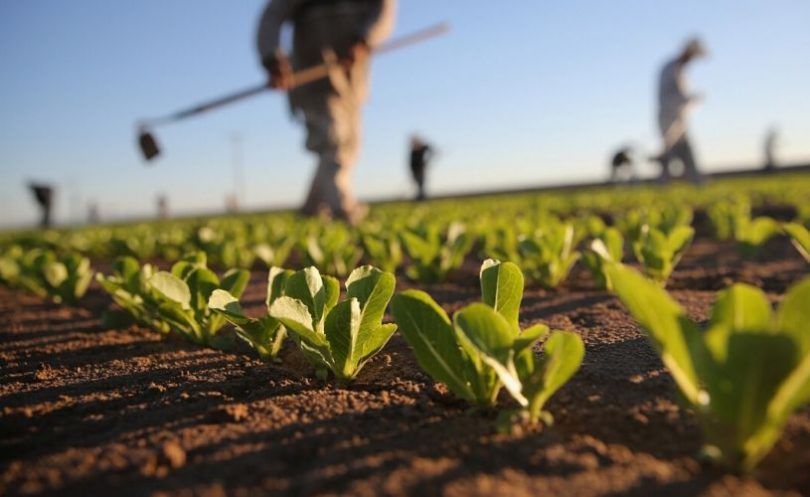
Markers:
148,144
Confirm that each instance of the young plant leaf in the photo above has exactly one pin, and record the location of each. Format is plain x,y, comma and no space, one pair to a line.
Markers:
672,334
428,331
502,289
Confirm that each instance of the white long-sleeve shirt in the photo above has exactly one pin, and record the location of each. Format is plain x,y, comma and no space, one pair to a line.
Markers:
673,99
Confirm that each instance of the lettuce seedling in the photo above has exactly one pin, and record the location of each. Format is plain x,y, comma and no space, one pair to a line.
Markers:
10,265
333,250
744,375
751,234
608,247
500,243
548,256
659,252
483,349
726,215
732,219
265,334
383,250
175,301
433,257
128,286
184,292
666,219
800,237
64,278
337,337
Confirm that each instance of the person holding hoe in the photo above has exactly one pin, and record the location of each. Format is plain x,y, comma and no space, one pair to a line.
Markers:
674,102
342,32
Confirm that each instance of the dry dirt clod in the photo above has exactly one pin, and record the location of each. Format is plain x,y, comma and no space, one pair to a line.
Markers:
155,388
174,455
231,413
170,456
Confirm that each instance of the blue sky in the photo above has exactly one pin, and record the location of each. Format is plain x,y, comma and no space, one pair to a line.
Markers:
519,93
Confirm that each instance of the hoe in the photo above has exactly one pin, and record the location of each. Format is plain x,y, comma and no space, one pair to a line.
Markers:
149,145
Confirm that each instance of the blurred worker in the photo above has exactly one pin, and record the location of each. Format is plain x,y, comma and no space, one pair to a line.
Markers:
162,206
622,165
345,30
93,216
770,149
421,154
674,102
43,194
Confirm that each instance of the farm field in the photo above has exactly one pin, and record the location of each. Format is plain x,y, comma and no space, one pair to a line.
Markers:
94,406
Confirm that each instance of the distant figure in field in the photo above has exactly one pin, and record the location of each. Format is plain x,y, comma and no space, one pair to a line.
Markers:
346,30
622,166
93,216
162,206
421,154
771,139
43,194
674,102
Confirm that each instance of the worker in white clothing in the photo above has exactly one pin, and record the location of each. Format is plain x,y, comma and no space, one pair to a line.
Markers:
346,31
674,103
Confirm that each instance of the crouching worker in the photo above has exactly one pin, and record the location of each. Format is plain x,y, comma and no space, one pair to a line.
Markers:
330,108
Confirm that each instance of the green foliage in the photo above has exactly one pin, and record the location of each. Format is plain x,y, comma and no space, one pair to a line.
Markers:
129,287
606,248
336,336
751,234
384,250
276,254
500,242
726,215
432,256
549,254
483,349
225,248
800,237
659,252
62,277
334,250
731,219
265,334
745,374
665,219
174,301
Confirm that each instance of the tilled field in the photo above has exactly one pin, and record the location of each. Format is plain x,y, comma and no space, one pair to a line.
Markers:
89,411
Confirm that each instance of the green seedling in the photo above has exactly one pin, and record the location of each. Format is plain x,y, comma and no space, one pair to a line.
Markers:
265,334
548,256
726,215
336,336
500,243
128,285
659,252
334,250
751,234
744,374
433,257
665,219
483,348
384,251
800,237
607,248
64,278
176,301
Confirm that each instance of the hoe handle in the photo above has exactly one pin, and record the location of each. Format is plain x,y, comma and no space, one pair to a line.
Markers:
300,78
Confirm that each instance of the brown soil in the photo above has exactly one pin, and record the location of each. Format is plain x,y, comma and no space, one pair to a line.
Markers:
88,411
